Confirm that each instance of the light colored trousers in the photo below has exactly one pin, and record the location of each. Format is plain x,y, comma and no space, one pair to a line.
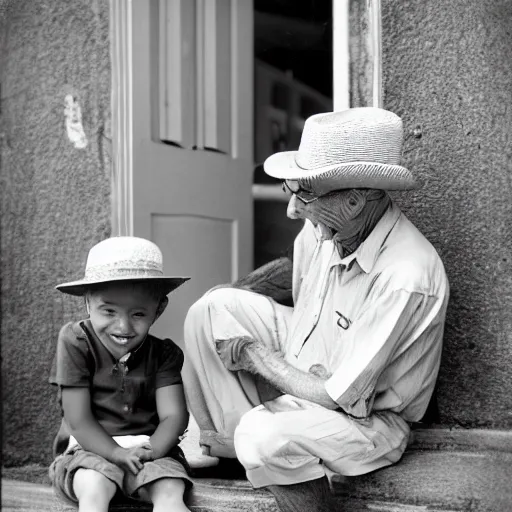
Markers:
283,441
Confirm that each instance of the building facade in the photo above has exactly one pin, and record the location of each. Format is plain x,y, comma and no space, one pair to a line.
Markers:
75,169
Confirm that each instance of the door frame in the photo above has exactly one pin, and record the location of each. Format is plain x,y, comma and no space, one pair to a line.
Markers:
121,51
122,94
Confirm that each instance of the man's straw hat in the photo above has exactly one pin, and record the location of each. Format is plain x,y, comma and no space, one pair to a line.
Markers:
354,148
123,258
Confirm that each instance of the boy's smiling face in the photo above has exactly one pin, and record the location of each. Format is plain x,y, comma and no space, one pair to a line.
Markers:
122,313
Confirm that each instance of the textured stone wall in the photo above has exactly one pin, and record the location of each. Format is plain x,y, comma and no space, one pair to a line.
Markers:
55,195
448,70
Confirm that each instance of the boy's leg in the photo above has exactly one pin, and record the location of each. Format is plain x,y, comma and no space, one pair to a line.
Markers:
93,490
217,397
166,494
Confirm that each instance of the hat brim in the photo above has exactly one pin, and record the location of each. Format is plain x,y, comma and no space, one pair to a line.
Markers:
339,176
78,288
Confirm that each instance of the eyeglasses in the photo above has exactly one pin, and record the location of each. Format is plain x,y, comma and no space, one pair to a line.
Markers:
304,195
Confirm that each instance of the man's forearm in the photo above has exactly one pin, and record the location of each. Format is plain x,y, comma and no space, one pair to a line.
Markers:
285,377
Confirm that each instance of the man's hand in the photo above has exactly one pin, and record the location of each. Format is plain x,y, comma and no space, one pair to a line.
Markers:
243,353
132,459
233,352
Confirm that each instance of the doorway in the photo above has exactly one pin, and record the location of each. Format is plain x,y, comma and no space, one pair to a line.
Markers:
293,71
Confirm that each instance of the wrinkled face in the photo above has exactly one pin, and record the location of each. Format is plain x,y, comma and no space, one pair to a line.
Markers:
121,315
334,209
298,208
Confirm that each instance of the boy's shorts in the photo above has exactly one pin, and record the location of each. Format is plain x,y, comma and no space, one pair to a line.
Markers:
64,467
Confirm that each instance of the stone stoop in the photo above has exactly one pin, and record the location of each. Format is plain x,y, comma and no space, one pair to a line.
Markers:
459,470
442,471
209,496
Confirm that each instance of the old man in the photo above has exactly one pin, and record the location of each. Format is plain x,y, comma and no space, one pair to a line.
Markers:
332,383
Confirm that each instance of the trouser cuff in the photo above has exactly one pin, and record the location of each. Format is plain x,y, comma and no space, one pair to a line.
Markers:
265,476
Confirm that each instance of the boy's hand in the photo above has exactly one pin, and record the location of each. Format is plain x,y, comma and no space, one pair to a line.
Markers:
144,451
131,459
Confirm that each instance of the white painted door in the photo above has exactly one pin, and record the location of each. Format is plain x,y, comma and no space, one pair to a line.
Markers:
186,112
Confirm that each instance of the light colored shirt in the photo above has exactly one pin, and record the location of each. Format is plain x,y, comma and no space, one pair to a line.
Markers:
374,319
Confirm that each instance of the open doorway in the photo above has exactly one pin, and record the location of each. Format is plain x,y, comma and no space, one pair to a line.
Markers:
293,79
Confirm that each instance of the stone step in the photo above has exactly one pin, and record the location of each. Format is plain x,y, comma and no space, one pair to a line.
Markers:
209,496
442,470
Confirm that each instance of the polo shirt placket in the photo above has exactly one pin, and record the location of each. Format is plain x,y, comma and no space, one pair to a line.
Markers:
121,368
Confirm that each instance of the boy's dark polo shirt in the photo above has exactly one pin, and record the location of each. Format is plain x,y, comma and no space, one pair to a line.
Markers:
122,400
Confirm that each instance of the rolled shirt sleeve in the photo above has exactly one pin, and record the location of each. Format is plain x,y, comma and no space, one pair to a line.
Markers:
170,364
384,330
71,366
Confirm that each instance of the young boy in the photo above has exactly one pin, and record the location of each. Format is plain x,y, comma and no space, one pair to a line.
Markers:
120,388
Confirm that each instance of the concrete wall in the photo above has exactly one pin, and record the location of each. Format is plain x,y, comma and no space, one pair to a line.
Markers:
55,196
448,69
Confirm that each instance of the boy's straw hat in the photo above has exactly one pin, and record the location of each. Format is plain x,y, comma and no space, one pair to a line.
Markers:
123,258
354,148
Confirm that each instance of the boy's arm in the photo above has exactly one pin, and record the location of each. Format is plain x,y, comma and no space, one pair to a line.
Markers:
173,419
92,437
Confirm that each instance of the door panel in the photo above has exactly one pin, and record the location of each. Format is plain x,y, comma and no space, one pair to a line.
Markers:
207,256
195,203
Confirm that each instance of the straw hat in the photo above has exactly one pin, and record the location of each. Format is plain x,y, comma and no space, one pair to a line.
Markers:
354,148
123,258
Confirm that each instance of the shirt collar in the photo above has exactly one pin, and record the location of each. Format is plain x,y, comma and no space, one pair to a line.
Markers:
367,253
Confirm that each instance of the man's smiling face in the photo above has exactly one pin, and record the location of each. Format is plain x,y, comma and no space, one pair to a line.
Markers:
121,315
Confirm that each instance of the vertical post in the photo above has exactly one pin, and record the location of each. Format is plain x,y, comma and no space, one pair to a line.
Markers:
376,43
122,125
341,54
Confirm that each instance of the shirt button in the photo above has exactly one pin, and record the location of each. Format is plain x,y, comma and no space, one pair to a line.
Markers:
127,408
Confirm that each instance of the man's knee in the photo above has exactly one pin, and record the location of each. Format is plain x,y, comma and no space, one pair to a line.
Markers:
258,438
220,298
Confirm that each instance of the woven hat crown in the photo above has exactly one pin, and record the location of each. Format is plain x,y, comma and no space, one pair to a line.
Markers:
119,257
366,134
123,258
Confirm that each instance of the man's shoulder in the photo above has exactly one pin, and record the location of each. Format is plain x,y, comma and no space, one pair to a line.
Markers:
409,260
406,242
